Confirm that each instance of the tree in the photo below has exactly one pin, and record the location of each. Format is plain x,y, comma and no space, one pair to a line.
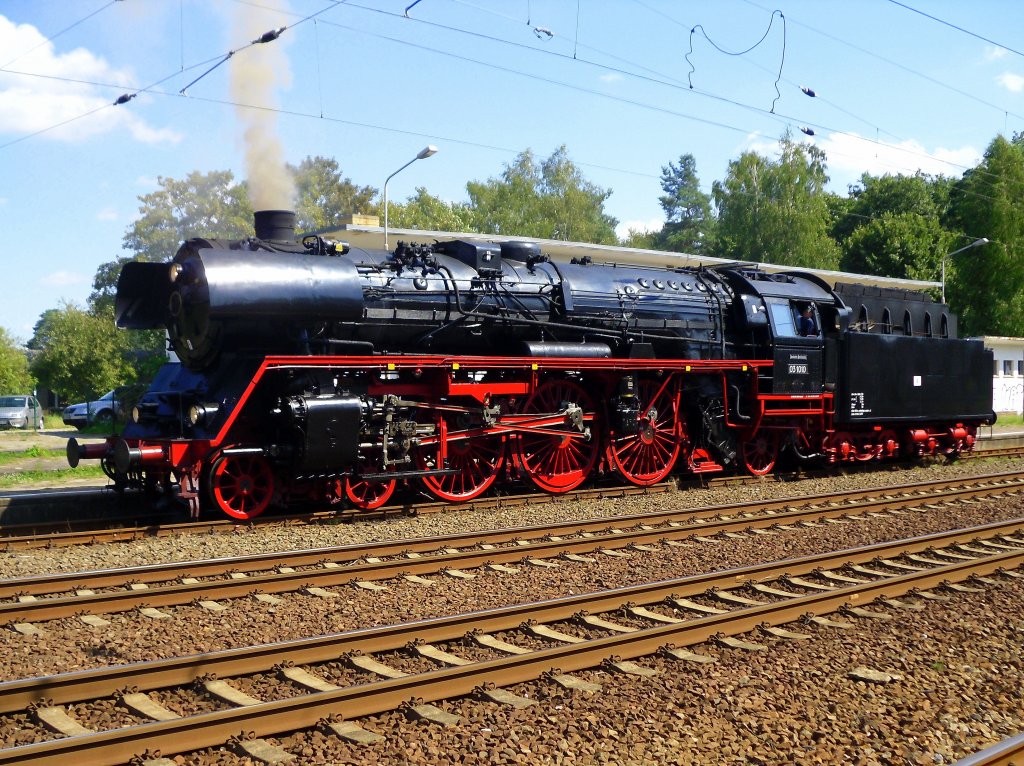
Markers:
776,211
986,284
203,205
688,219
14,375
82,354
324,196
892,226
425,211
551,201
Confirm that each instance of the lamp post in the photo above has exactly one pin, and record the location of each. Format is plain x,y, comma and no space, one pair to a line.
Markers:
427,151
975,243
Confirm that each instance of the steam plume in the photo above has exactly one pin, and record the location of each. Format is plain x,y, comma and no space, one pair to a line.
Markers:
254,74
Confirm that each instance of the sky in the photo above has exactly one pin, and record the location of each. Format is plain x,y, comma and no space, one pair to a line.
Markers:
628,86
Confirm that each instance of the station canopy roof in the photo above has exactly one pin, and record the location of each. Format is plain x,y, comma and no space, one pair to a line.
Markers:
372,238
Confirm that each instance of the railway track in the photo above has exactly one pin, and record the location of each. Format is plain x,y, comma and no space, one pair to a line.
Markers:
33,599
86,517
483,652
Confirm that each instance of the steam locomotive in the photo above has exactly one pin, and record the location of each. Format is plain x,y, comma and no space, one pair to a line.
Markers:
312,372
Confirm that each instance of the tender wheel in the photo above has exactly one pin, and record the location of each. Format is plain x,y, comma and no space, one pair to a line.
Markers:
867,448
647,456
368,495
558,462
242,486
477,460
890,444
761,451
840,445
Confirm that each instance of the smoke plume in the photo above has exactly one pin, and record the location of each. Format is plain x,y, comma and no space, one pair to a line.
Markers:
255,72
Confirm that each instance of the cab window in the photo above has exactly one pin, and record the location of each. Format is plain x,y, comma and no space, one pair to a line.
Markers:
782,319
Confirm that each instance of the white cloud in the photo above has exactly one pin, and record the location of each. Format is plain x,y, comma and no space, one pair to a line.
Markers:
63,279
1012,82
45,88
994,53
851,154
848,155
651,224
611,77
107,214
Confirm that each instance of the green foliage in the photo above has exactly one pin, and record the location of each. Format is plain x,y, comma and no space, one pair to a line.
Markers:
892,226
551,200
425,211
986,284
324,196
776,211
15,377
688,219
83,355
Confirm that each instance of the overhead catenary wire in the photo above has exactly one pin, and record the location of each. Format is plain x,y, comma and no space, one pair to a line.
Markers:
951,25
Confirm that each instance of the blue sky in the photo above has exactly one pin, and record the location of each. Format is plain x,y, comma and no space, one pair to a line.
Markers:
480,79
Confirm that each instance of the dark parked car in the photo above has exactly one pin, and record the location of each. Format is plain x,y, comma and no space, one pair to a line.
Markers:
20,412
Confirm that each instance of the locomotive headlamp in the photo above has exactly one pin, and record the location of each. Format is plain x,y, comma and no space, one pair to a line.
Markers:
200,413
174,271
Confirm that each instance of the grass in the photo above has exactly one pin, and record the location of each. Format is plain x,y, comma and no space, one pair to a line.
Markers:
1010,420
6,458
8,480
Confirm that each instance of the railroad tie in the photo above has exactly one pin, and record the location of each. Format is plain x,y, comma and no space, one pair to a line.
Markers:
28,629
434,714
542,563
802,583
789,635
439,655
459,574
320,592
491,642
734,598
998,546
631,668
145,706
688,656
685,603
353,732
577,558
376,667
613,554
505,697
153,613
555,635
952,555
647,614
224,691
262,750
930,596
212,606
266,598
825,622
858,611
417,579
615,627
572,682
502,568
898,604
370,586
57,719
926,560
769,590
736,643
93,620
308,680
828,574
962,588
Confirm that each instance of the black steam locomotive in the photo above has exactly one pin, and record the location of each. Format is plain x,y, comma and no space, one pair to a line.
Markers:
311,372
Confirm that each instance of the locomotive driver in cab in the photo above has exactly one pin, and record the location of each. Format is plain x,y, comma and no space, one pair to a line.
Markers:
806,325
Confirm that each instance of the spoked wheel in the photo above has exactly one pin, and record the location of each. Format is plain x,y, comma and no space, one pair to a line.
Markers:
478,462
761,451
242,486
368,495
558,462
648,455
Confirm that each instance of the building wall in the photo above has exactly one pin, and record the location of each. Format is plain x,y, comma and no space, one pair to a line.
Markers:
1007,373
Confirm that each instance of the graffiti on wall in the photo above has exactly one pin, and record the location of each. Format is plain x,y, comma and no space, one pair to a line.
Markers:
1008,394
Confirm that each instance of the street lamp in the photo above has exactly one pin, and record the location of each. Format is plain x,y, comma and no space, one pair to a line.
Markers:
975,243
427,151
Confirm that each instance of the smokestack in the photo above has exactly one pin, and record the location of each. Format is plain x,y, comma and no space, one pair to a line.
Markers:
275,225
